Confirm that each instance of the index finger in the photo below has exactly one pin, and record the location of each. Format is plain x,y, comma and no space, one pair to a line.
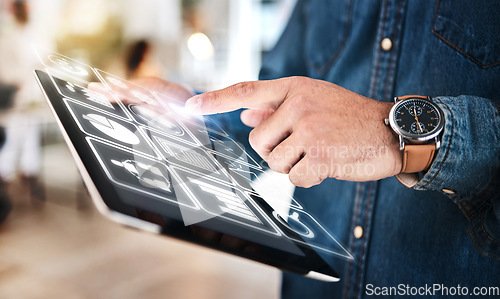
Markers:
267,95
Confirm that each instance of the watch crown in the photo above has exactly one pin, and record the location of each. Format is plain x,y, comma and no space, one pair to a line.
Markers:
386,121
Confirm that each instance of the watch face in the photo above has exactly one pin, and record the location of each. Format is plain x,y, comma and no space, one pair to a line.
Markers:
417,119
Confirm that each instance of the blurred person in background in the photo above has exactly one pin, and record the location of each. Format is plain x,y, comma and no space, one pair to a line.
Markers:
5,204
7,93
328,85
139,61
22,148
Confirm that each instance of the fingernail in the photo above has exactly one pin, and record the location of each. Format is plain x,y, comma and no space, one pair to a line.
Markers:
193,104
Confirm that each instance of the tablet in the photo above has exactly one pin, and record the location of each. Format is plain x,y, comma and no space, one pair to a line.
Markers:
150,165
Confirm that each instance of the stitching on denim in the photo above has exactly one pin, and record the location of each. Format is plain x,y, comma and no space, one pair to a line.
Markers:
480,194
483,229
496,105
470,212
436,13
455,46
393,53
379,52
475,243
465,53
365,244
357,201
447,148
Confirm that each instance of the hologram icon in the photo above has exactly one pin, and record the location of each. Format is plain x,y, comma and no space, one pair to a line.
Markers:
148,175
112,128
311,232
140,174
186,155
90,95
98,100
192,157
128,91
158,120
299,228
228,202
228,148
242,174
103,125
224,202
66,65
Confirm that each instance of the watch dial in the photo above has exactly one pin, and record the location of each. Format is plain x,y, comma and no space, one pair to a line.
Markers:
417,116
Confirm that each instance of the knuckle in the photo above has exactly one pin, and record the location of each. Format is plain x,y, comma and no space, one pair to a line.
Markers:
306,126
273,160
299,101
243,89
299,105
301,181
276,162
308,174
298,81
209,97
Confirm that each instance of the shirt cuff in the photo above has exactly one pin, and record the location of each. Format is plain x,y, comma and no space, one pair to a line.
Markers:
469,157
467,167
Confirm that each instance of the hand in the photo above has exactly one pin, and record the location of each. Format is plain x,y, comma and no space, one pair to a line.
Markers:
311,129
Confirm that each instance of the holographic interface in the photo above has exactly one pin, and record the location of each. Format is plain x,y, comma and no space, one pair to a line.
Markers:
147,144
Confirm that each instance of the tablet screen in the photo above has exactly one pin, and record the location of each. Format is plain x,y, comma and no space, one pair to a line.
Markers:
151,160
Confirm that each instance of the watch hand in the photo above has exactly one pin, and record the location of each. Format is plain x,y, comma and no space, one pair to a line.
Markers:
416,118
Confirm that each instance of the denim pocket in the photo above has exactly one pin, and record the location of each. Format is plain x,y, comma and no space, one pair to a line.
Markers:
470,27
328,25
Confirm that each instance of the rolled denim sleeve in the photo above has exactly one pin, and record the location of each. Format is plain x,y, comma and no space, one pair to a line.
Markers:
467,167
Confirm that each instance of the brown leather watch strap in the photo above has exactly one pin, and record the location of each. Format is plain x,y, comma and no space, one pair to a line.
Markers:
410,96
418,158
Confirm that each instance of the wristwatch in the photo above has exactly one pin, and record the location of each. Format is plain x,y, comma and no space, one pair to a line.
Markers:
419,123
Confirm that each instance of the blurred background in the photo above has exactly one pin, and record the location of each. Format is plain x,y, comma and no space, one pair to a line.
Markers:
53,243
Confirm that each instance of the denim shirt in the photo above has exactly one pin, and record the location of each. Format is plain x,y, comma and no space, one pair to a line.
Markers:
445,230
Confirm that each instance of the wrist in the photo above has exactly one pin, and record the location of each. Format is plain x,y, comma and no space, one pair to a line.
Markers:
391,142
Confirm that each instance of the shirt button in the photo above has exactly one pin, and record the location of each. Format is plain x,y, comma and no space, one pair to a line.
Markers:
358,232
386,44
448,191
